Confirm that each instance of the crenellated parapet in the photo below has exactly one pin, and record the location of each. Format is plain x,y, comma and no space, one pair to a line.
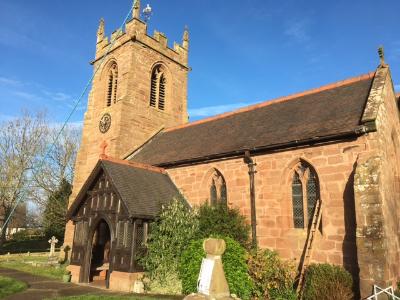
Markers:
135,31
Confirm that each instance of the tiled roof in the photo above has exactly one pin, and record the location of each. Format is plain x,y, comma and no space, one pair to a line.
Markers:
143,189
324,112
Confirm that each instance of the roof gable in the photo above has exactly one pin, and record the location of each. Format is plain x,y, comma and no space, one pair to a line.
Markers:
142,189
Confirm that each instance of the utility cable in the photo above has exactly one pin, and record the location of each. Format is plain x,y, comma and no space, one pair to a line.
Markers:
78,101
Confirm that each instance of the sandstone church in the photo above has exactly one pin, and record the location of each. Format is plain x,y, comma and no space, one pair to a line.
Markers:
336,146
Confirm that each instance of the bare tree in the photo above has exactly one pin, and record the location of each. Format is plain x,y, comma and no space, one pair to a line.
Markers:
58,165
21,142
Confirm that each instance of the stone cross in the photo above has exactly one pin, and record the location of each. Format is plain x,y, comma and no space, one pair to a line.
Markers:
103,147
53,241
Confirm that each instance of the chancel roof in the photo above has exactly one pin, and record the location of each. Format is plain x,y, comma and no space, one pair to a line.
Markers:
142,189
313,115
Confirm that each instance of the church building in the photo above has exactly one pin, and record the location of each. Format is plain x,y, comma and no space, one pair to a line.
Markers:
318,168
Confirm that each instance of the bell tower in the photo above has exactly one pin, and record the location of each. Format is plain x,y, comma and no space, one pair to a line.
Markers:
139,89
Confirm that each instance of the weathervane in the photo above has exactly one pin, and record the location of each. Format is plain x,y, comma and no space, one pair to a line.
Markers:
147,13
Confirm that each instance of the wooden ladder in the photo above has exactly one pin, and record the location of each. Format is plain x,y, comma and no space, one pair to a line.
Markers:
316,221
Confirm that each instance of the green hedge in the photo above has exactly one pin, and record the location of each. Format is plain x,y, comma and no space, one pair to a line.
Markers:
326,282
221,220
39,245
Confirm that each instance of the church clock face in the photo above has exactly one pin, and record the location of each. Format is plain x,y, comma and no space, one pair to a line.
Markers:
105,123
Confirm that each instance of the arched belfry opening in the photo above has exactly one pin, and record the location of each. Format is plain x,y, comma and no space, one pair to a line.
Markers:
112,84
158,87
100,254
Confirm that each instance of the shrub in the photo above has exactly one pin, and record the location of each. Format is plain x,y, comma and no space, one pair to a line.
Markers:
233,260
168,237
223,221
168,285
21,236
272,277
325,281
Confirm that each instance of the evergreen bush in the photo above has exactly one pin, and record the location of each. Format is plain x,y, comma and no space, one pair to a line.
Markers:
272,277
233,260
168,237
224,221
56,209
325,282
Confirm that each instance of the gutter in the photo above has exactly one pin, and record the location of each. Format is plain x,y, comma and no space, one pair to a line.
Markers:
252,171
358,131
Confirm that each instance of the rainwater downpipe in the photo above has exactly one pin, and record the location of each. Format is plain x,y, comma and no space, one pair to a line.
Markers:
252,171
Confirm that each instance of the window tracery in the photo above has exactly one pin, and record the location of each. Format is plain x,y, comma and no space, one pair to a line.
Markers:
305,194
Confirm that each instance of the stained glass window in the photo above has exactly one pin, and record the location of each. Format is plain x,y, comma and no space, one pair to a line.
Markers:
305,194
297,199
312,194
213,193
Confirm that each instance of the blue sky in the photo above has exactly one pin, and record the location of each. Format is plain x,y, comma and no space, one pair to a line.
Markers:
241,52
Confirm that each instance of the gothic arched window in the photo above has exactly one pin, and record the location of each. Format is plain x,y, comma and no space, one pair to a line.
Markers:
217,187
112,83
305,194
158,87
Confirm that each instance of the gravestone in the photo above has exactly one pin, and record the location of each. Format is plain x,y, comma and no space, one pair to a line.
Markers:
53,241
212,283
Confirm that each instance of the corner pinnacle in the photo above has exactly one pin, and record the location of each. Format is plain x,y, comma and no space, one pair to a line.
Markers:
136,9
381,53
185,43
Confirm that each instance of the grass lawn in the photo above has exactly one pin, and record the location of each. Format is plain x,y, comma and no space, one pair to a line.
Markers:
105,297
9,286
19,262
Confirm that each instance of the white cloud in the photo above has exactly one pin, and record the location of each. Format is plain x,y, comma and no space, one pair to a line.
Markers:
9,81
26,95
57,96
77,125
297,30
215,110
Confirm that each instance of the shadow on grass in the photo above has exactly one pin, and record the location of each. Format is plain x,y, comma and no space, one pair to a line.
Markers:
27,264
106,297
9,286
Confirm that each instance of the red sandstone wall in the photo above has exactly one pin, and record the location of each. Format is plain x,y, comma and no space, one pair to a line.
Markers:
334,165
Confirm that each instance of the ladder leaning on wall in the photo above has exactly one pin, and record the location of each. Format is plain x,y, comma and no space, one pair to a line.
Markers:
308,250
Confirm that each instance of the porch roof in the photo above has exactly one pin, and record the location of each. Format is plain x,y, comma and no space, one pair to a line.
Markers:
142,188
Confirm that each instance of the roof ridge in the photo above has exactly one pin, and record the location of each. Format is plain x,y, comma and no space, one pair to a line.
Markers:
134,164
277,100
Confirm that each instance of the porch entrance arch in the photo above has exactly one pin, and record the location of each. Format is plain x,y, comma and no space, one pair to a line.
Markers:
99,265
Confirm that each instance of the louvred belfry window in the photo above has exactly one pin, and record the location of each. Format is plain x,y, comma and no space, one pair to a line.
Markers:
305,194
158,87
112,84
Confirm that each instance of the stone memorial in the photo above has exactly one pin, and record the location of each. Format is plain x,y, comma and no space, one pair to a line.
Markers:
53,241
212,283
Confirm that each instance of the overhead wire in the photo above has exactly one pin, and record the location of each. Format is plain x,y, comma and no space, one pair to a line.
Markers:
78,101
